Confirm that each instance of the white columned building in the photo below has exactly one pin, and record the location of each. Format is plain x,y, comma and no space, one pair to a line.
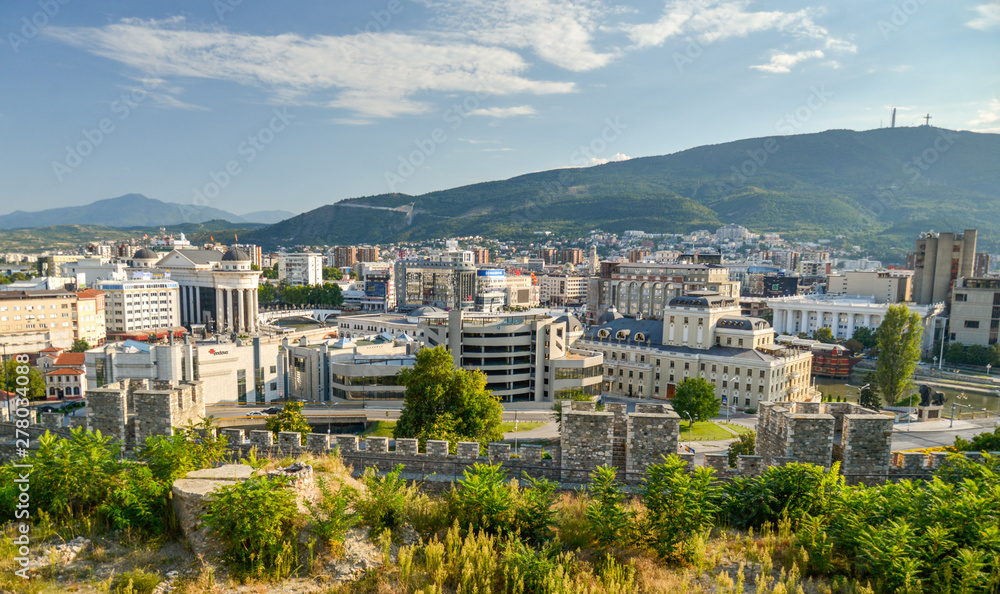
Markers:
842,315
218,290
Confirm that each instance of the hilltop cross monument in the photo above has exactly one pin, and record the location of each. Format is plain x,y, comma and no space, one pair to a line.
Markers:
927,120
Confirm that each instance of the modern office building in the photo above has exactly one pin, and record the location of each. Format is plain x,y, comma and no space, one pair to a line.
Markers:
529,356
886,286
348,370
700,335
491,290
149,300
301,269
435,283
938,261
380,286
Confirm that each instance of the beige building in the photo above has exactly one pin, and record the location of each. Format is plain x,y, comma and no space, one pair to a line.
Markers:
33,320
645,288
521,292
90,317
562,289
975,311
887,286
701,335
938,261
216,289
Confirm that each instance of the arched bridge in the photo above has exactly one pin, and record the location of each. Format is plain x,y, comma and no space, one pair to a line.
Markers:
316,313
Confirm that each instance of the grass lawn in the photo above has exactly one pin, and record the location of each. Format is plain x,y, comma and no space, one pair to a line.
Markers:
522,426
704,431
379,429
737,428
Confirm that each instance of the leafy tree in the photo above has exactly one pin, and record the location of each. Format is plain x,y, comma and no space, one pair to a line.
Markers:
289,419
445,402
898,352
744,445
8,380
854,346
332,273
79,346
679,504
865,336
824,335
869,398
607,516
254,267
270,273
267,293
695,396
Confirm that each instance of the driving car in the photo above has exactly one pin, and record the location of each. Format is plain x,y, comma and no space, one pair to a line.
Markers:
256,413
271,411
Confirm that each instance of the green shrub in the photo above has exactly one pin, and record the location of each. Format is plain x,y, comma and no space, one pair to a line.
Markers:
679,506
606,514
793,490
535,514
189,448
138,501
744,445
331,516
486,501
383,503
429,515
254,520
137,581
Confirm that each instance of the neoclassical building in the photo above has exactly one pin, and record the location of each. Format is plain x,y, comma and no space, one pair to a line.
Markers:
701,334
216,289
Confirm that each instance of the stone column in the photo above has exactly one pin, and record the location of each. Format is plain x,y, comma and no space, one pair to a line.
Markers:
219,302
868,321
230,310
255,309
850,325
197,305
248,313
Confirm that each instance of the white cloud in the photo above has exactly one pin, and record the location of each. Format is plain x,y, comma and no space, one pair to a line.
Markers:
612,159
504,112
901,68
782,63
988,17
378,75
560,32
709,21
987,120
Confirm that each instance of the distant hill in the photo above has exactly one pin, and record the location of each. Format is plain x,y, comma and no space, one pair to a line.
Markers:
878,187
62,237
130,210
267,217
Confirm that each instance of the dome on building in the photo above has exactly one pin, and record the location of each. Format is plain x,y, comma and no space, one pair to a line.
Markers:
236,255
609,316
572,324
424,311
145,254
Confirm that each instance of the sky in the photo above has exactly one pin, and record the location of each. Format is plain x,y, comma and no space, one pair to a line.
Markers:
249,105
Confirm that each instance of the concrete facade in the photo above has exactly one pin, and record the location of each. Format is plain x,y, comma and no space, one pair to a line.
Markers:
975,311
938,261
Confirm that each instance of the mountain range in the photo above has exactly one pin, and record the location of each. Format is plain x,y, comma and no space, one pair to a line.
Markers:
133,210
877,187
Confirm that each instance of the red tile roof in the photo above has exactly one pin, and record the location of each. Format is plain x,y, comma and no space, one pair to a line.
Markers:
72,359
65,372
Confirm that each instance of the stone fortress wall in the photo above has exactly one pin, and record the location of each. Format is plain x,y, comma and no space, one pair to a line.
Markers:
817,433
132,410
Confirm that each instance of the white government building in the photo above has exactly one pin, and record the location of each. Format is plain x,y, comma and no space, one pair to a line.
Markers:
842,315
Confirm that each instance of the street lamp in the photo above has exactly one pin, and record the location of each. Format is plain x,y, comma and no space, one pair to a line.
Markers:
690,426
329,414
988,367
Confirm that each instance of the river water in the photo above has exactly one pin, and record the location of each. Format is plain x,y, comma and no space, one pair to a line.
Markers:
850,390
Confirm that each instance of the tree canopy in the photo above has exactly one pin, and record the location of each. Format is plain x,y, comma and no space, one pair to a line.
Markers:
36,383
695,396
79,346
898,341
824,335
289,419
445,402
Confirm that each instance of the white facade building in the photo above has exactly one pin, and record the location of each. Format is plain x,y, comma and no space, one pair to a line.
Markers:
303,269
842,315
147,301
215,289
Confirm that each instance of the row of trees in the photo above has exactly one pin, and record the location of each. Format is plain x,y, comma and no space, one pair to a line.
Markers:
326,294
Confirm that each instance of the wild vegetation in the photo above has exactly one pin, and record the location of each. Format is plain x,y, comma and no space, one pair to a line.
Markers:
797,528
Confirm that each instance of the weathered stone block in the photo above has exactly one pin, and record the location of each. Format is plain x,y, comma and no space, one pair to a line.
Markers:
261,439
437,448
318,442
377,445
407,446
468,450
289,440
531,454
717,462
749,465
234,437
498,452
347,444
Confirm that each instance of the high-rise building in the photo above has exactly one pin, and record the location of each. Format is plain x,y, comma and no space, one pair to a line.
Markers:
367,253
938,261
147,301
638,255
982,265
436,283
345,256
301,269
91,321
572,256
481,255
975,311
33,320
548,255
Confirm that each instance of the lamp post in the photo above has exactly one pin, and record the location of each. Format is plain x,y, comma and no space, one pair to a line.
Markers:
988,367
690,426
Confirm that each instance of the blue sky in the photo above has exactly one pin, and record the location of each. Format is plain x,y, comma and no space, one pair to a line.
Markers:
248,105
